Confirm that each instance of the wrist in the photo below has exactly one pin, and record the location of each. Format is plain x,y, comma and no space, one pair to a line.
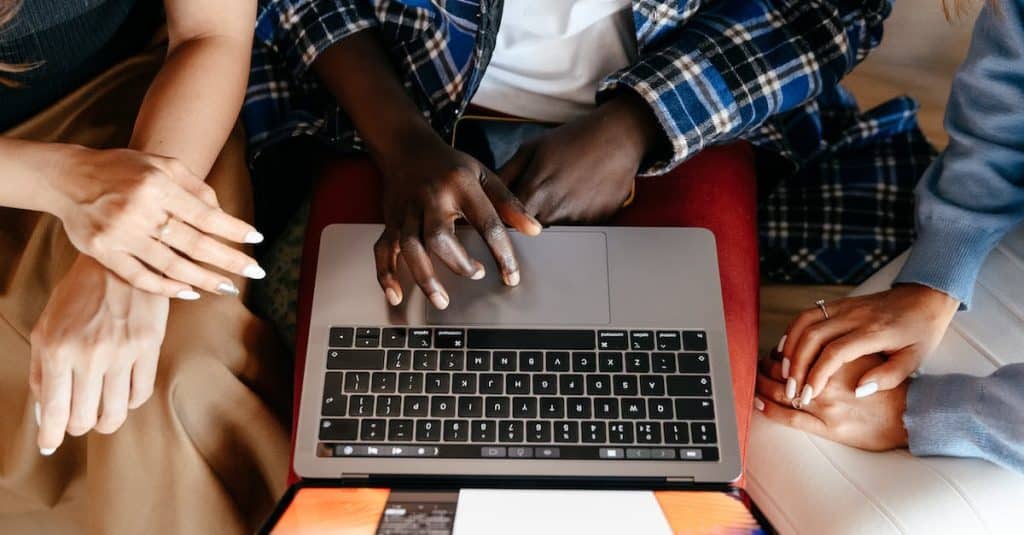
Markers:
63,184
634,122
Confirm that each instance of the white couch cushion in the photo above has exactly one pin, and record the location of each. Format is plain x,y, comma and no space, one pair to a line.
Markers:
806,484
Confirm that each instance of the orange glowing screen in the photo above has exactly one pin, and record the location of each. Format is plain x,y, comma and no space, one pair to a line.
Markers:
340,511
705,513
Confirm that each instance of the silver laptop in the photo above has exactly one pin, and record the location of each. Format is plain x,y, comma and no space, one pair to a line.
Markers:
609,360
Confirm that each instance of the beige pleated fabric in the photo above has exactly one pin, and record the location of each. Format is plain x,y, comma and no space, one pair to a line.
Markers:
208,453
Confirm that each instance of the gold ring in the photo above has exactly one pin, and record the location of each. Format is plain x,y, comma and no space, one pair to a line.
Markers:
821,305
163,230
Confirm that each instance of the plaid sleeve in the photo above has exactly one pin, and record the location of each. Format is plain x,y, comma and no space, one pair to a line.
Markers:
729,67
299,30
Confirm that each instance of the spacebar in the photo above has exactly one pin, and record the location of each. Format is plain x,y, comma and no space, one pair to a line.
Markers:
530,339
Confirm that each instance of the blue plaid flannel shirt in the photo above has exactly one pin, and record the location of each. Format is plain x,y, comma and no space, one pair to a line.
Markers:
838,201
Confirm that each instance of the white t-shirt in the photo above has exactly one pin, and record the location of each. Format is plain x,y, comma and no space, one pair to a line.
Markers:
550,56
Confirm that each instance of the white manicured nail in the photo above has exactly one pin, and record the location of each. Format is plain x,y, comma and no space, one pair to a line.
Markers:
253,271
440,300
480,273
866,389
782,343
226,288
46,452
188,295
806,395
392,297
38,411
512,279
253,237
785,368
758,404
791,388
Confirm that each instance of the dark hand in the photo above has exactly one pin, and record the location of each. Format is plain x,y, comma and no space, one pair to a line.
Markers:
872,423
427,187
583,171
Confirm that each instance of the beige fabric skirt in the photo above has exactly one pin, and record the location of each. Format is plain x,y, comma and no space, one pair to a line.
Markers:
208,453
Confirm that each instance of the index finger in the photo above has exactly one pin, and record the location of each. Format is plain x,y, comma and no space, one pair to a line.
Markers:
482,215
211,220
508,205
840,351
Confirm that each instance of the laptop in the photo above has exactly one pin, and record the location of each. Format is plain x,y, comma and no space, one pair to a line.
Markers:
608,363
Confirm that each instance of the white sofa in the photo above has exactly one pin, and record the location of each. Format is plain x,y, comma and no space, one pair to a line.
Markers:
809,485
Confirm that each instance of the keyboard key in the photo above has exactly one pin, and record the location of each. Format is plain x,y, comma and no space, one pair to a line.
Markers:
676,432
530,339
659,408
689,385
625,385
399,359
400,430
389,406
520,452
538,431
453,361
496,407
492,451
340,337
428,430
638,362
633,408
524,407
456,431
414,406
570,384
693,363
338,429
620,433
504,361
483,431
641,340
545,383
606,408
471,407
652,385
424,360
695,341
420,338
510,431
355,359
584,362
610,361
611,453
392,337
695,409
612,340
360,406
517,383
638,453
442,407
663,362
546,453
567,431
668,341
492,383
449,339
479,361
552,408
556,361
373,429
648,433
410,383
438,383
703,433
367,337
464,383
367,342
383,382
594,432
578,408
333,402
599,385
531,361
357,382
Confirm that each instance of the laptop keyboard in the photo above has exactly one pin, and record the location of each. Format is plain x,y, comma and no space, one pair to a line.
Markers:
518,393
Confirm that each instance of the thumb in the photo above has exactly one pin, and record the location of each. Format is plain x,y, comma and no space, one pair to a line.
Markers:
509,208
889,374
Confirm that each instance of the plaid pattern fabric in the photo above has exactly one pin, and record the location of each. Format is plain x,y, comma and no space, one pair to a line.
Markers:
712,71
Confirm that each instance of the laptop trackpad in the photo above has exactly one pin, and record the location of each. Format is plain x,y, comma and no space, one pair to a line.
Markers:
564,281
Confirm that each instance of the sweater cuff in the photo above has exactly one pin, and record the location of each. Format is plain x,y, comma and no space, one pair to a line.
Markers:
947,256
939,416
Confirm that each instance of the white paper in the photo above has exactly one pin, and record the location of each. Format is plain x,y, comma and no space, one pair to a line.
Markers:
558,512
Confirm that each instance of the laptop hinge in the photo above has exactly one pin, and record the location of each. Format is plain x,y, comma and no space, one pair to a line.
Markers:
685,479
354,476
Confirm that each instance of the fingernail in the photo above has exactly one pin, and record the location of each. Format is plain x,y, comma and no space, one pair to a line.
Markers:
479,274
188,295
38,411
791,388
866,389
512,279
253,271
806,395
758,404
782,343
253,237
785,369
46,452
227,288
440,300
392,297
